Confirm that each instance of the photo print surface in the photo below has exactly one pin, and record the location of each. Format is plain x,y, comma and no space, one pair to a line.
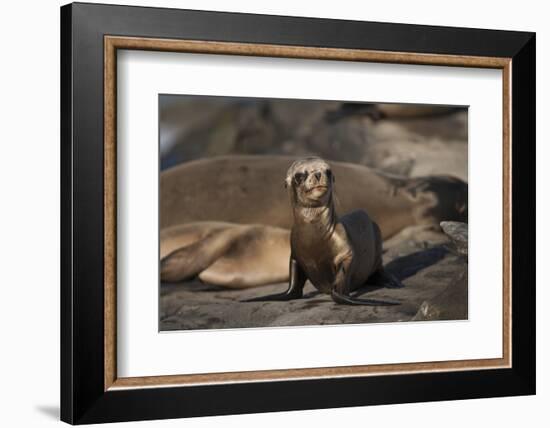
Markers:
287,212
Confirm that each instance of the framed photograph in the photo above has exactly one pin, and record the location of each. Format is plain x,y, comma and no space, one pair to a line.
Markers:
267,213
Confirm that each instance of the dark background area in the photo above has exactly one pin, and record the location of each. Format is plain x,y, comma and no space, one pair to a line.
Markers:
403,139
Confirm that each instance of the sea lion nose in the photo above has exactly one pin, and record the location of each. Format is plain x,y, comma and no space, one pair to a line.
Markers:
318,176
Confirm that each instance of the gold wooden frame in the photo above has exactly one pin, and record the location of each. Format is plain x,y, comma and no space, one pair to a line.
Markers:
113,43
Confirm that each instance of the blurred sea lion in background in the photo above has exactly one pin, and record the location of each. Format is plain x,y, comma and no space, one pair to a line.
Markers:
388,111
225,254
247,189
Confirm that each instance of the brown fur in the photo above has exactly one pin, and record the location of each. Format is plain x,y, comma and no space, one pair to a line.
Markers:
336,254
229,255
250,190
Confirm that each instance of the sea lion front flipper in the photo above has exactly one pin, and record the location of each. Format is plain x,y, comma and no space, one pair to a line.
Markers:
380,278
339,292
348,300
295,287
280,297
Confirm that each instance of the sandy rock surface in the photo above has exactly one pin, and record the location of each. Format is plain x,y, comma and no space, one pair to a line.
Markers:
420,257
452,302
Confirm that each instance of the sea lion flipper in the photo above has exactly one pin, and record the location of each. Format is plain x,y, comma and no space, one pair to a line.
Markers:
190,260
295,287
348,300
380,278
280,297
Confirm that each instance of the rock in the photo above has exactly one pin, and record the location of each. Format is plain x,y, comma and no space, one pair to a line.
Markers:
419,259
458,232
417,237
451,304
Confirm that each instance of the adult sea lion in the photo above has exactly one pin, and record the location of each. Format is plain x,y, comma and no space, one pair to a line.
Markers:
225,254
247,189
337,254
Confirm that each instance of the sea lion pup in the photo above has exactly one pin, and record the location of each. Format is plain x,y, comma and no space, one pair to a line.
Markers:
247,189
337,254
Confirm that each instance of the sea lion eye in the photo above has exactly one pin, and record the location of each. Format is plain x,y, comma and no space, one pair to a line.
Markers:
329,173
299,177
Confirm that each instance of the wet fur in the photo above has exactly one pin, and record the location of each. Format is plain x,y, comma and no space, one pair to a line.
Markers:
337,255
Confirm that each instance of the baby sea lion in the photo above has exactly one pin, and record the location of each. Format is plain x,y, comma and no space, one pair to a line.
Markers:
337,254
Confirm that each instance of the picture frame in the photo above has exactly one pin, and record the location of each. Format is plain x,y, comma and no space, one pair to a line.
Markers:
91,35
